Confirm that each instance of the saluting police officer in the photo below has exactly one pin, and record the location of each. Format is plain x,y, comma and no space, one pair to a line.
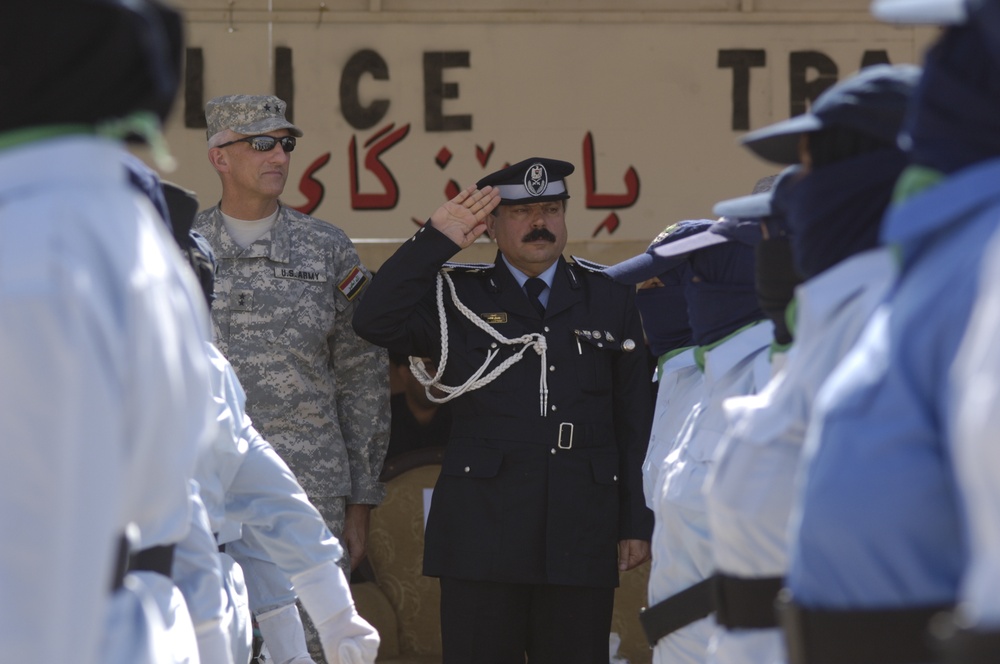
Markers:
539,503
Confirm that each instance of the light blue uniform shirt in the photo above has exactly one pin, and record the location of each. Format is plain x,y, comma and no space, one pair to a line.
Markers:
877,522
682,554
680,385
977,456
104,402
750,489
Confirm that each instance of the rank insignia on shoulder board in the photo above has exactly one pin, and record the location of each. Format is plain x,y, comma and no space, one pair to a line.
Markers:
353,283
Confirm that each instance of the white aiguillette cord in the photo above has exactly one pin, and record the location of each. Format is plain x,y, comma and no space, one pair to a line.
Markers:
533,340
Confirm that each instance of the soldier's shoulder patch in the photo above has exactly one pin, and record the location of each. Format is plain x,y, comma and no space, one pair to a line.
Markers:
470,268
588,265
353,283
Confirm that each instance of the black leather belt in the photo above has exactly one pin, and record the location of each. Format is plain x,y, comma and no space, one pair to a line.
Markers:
889,636
542,430
158,559
746,603
121,564
959,645
677,611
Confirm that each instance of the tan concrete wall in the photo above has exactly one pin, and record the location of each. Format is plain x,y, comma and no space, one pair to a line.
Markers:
631,88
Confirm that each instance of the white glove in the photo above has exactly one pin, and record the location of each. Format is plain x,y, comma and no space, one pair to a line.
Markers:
346,637
283,636
213,644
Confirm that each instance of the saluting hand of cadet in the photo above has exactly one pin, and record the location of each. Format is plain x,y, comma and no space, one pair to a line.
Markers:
462,218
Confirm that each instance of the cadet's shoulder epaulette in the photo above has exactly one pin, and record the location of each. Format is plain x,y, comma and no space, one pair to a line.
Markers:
589,265
469,268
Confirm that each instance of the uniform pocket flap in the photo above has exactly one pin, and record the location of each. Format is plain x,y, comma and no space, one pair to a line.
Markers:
472,461
605,469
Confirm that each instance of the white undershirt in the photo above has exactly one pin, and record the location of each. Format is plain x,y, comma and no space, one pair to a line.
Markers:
245,233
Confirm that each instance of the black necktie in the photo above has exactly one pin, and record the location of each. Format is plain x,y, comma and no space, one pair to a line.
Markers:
534,286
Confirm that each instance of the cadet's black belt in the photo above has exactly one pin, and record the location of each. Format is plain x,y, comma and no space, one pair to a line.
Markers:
746,603
542,430
158,559
677,611
956,645
888,636
121,564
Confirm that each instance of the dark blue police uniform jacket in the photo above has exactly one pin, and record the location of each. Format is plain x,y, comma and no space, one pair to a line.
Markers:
524,498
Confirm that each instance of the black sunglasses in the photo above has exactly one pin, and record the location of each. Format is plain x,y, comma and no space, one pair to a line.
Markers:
265,143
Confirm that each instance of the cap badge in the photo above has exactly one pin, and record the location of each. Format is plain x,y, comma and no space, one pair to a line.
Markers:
536,180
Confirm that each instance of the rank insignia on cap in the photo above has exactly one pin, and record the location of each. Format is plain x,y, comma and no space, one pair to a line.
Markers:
353,283
536,179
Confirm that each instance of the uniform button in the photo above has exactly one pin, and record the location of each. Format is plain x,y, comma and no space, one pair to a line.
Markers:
553,407
615,478
600,345
493,345
467,469
553,450
546,328
552,368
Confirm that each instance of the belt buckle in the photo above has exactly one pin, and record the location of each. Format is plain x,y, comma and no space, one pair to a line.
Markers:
563,428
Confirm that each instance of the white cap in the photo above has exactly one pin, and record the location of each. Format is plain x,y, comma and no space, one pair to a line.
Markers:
929,12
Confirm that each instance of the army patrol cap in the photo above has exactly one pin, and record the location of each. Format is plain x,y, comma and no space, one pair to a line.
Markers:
248,115
534,180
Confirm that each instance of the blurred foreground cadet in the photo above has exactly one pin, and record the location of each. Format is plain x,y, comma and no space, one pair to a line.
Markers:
878,541
831,201
105,402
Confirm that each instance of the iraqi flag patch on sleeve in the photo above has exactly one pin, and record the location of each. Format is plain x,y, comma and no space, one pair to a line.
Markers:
353,283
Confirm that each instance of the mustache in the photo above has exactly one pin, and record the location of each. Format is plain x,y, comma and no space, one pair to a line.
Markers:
539,234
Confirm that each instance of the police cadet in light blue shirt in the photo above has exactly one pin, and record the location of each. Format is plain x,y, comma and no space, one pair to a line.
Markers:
972,636
662,306
105,402
831,203
732,340
878,543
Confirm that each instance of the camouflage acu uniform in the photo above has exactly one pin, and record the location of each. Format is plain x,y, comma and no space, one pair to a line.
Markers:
282,316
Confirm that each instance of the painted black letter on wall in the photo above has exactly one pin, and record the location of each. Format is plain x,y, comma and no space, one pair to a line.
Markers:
874,58
740,61
362,62
436,91
801,90
194,88
284,82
